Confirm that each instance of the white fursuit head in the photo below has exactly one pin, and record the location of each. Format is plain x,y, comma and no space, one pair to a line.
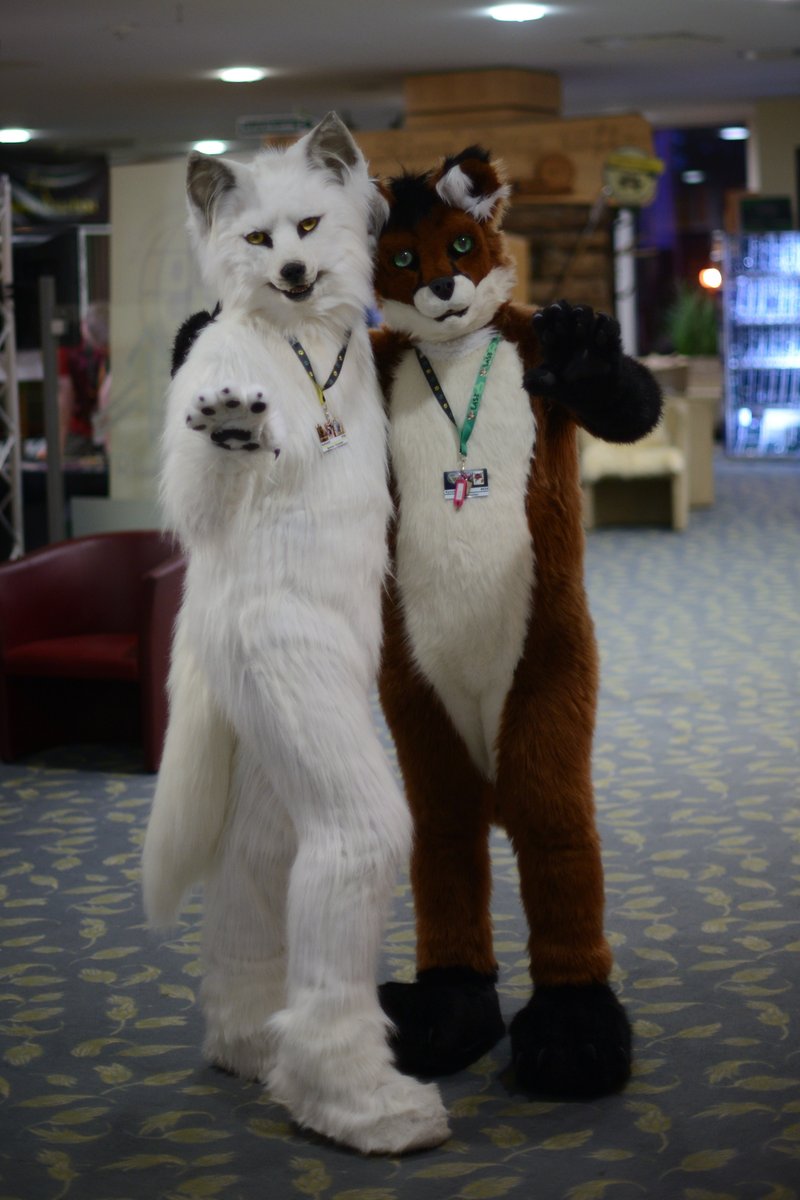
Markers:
274,789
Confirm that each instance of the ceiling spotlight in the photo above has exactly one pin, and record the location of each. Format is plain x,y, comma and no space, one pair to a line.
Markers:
8,136
734,133
210,146
517,12
242,74
693,176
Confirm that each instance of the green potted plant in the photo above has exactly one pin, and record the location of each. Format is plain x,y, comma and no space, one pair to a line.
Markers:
692,325
692,322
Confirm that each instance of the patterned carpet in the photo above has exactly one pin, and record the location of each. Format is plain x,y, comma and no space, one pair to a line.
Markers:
103,1095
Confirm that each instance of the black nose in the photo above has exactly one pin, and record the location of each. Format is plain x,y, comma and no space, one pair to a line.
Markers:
293,272
443,287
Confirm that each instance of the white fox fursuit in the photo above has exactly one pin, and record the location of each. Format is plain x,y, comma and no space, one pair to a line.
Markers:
274,789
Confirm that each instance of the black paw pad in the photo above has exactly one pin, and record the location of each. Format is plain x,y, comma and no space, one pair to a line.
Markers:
223,436
446,1020
571,1042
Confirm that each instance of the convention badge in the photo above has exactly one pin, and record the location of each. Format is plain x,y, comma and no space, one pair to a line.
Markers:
331,435
464,484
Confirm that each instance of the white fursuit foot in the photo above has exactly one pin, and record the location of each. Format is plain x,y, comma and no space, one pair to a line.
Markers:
335,1076
237,1009
248,1057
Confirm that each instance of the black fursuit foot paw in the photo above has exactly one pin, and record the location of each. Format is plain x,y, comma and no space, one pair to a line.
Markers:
446,1020
571,1042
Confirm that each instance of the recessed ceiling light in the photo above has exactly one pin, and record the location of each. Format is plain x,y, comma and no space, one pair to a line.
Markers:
15,135
693,176
517,12
210,146
242,74
734,133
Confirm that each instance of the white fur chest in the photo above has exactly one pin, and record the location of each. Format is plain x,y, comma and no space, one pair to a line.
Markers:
465,576
303,532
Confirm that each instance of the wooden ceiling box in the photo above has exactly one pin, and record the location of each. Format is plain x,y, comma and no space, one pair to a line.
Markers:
540,154
469,97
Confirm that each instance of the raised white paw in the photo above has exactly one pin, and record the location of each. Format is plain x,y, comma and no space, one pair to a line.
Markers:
235,418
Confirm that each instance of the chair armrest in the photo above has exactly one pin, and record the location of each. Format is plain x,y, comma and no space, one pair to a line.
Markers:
676,422
27,590
162,591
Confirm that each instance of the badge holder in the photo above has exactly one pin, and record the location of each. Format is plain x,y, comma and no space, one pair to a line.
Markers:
465,483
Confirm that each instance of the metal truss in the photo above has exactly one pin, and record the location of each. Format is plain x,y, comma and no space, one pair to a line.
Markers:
11,515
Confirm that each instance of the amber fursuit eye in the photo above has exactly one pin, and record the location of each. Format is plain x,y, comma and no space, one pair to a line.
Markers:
308,225
258,238
463,244
404,259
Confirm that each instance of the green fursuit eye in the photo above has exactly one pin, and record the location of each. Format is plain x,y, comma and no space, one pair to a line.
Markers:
463,244
404,259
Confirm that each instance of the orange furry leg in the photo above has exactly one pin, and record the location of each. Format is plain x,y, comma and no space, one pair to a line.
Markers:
545,801
573,1038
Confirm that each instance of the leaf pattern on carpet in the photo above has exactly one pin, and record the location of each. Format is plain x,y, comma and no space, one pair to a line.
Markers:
103,1091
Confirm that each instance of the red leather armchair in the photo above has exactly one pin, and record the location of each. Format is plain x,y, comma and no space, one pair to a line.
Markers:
85,637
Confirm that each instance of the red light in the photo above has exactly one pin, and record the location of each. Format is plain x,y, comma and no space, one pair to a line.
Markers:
710,277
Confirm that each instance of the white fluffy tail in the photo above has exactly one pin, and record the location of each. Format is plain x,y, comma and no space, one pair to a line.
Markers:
190,802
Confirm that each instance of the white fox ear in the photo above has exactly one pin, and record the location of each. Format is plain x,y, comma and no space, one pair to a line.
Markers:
330,147
207,180
471,182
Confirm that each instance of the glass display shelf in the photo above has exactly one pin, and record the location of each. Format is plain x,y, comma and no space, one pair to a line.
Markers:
761,339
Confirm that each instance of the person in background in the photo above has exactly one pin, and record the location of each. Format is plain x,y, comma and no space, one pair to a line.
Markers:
83,382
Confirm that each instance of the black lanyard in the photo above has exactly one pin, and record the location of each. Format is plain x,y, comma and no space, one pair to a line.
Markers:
334,375
465,432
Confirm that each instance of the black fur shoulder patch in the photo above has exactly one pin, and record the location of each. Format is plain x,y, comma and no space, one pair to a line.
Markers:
187,335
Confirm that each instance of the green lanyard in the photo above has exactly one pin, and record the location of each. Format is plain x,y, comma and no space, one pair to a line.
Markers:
465,433
334,375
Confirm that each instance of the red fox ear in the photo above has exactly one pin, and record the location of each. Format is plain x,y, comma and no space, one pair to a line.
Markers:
380,207
472,182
